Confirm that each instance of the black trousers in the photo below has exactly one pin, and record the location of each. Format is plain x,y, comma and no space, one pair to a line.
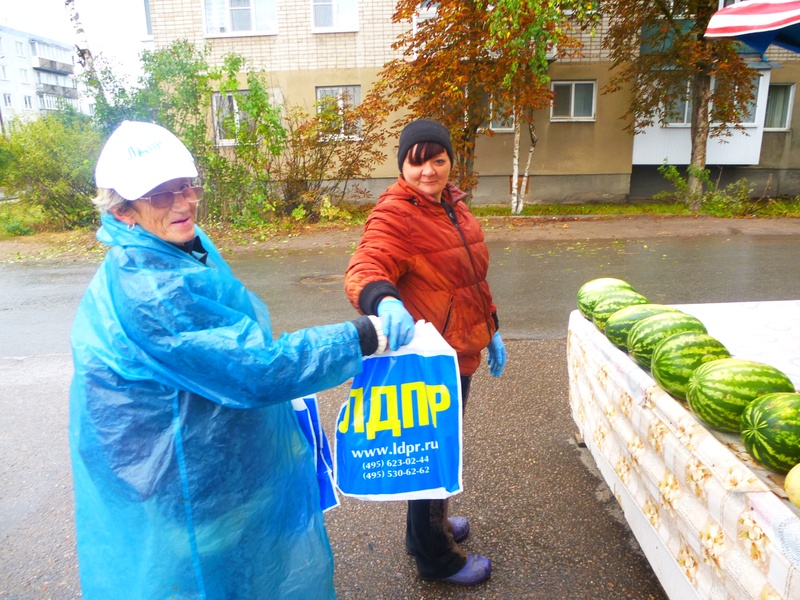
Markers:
429,535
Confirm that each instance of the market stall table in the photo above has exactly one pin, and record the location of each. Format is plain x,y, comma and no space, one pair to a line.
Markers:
712,523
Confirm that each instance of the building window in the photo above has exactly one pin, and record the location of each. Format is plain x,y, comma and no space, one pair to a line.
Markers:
323,13
573,101
427,10
227,118
20,49
241,17
230,121
3,72
334,16
51,52
680,113
749,116
147,21
7,100
336,104
500,123
44,77
779,105
51,102
496,120
28,102
23,75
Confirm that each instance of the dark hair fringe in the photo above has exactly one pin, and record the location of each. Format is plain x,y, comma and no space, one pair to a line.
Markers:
423,152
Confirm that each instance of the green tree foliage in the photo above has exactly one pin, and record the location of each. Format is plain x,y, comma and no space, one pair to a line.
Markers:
659,51
240,174
527,34
176,90
256,158
114,100
50,164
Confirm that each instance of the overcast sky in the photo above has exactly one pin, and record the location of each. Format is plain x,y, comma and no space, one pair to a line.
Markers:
115,28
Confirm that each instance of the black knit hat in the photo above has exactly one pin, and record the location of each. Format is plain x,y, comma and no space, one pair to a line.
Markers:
423,130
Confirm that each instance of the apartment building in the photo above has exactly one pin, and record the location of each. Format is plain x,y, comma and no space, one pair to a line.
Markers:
315,48
37,75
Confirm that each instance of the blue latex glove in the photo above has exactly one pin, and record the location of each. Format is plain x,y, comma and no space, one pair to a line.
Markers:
497,355
398,324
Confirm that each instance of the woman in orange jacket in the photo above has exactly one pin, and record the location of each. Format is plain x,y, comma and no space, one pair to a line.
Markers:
423,256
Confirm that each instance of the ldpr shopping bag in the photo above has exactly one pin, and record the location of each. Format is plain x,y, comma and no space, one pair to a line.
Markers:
308,418
398,436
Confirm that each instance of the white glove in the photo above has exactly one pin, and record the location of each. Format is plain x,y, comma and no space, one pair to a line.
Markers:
382,339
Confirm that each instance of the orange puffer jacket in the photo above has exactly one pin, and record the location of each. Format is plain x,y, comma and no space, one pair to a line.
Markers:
435,262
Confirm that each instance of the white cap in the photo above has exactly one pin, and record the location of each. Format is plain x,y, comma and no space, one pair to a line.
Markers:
141,156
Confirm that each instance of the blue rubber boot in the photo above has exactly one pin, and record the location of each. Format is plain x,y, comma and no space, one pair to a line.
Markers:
477,570
460,528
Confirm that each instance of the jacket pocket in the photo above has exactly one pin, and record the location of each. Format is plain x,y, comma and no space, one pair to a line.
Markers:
448,315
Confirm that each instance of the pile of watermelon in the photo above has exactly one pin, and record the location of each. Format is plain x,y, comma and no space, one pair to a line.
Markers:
754,400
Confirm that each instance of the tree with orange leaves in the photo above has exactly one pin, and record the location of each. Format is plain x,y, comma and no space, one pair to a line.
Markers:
462,65
659,49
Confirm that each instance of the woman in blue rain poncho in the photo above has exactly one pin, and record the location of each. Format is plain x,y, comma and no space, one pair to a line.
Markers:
192,477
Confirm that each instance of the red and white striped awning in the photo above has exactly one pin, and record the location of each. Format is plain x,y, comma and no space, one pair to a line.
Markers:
759,23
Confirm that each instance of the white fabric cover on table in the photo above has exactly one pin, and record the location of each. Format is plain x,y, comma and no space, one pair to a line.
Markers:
700,508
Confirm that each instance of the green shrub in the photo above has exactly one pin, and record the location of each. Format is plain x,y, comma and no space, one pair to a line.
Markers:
17,219
15,228
50,164
734,200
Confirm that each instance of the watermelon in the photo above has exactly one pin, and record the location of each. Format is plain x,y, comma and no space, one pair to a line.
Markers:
612,302
648,333
620,323
677,356
770,428
591,291
719,390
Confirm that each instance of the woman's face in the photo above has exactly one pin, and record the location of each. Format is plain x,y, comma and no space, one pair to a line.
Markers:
173,223
431,176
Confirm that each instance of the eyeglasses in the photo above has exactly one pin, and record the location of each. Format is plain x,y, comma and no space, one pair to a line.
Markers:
193,195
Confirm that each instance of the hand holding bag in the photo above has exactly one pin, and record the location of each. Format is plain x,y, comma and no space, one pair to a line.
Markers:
398,436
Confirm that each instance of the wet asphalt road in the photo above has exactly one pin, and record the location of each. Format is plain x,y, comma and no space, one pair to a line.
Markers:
537,505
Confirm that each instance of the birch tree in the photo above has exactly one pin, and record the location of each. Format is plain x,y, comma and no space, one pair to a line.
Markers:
525,36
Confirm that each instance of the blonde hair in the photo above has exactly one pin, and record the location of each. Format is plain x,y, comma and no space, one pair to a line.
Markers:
107,200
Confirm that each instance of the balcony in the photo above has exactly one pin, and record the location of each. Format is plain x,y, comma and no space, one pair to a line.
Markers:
56,90
54,66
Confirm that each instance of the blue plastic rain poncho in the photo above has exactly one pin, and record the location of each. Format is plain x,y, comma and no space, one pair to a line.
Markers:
192,478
